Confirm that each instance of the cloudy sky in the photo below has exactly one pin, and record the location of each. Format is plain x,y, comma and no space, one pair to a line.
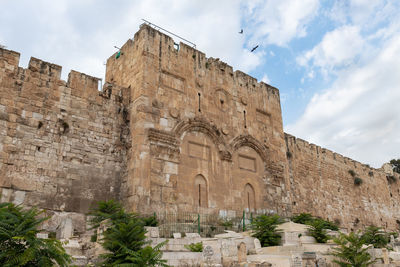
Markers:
336,63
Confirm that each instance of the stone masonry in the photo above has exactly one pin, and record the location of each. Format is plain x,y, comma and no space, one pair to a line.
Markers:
171,130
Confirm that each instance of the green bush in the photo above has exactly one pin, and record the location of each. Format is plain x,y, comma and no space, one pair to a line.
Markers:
318,230
358,181
352,173
195,247
264,228
307,218
349,252
303,218
124,239
376,236
227,224
19,245
150,221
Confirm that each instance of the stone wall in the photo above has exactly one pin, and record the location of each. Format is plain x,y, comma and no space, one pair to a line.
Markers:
321,183
198,127
62,144
171,130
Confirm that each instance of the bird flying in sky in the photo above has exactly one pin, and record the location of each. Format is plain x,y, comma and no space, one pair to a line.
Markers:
241,31
254,48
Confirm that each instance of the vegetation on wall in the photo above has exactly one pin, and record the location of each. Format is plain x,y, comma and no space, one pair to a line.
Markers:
19,245
377,237
352,173
358,181
124,238
395,165
264,228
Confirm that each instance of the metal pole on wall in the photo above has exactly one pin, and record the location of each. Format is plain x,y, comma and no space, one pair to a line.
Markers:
198,223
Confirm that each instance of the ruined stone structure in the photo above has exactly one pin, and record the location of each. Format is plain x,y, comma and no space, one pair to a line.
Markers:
171,130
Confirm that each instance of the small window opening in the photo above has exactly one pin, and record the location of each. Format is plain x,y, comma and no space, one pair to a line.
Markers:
199,195
244,116
199,101
40,125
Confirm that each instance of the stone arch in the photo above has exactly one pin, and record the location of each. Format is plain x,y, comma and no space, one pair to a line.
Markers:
249,197
201,189
201,125
250,141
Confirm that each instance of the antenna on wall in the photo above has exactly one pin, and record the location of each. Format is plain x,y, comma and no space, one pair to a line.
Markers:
161,29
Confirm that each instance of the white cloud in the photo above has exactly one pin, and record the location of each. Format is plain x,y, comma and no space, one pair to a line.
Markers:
358,115
81,35
278,22
266,79
338,48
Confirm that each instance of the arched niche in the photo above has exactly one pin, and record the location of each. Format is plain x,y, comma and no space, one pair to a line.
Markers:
247,179
198,171
201,189
249,198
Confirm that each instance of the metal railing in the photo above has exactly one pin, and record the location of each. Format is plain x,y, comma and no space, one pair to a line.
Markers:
206,225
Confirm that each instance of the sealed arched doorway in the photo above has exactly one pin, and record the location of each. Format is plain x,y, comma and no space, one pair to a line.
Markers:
200,184
249,198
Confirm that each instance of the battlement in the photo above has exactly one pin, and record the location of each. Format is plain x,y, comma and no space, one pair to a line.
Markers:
293,143
167,55
49,69
9,60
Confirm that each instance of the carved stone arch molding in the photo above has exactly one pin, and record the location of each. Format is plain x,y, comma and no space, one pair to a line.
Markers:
199,124
250,141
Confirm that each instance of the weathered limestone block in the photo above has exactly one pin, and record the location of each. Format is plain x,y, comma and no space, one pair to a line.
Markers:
65,230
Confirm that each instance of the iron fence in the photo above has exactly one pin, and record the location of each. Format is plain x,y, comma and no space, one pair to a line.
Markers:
206,225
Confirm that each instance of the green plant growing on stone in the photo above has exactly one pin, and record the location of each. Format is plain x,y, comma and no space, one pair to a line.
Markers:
303,218
395,165
264,228
376,236
195,247
358,181
352,173
124,238
19,245
150,221
318,230
227,224
307,218
350,251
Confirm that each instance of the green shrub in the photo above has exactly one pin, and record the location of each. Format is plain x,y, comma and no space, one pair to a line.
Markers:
93,238
376,236
227,224
19,245
357,181
150,221
264,228
395,165
349,252
318,230
307,218
124,239
303,218
352,173
195,247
